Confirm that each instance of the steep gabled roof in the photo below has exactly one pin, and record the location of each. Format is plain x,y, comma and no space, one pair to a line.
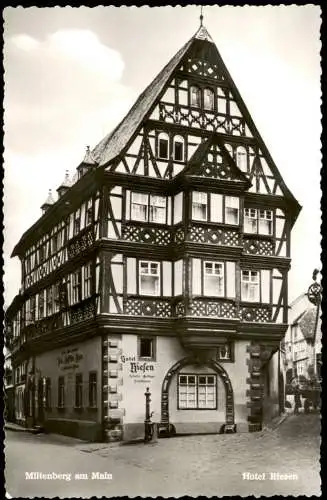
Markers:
114,142
308,324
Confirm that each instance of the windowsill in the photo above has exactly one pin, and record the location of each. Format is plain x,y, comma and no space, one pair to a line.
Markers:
92,408
146,359
197,409
216,224
78,408
248,303
258,235
142,222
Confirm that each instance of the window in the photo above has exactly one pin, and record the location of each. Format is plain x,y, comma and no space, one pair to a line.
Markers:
78,390
250,286
49,293
158,209
241,158
41,254
232,205
61,392
199,206
195,97
88,213
265,222
93,389
77,222
178,148
258,221
250,220
146,348
76,286
149,208
87,280
54,243
149,274
56,297
208,99
41,305
163,146
33,308
213,283
224,352
197,392
48,393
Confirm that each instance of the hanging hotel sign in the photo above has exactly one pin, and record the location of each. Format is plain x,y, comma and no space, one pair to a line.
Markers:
140,371
69,359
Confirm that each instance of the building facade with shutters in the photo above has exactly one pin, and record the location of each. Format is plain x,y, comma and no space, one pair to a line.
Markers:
164,265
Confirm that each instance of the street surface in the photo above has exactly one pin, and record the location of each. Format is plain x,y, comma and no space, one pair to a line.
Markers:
210,465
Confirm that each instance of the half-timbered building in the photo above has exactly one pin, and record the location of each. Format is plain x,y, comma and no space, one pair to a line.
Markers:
163,265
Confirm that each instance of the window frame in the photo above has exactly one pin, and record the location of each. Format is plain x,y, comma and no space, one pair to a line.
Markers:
61,394
192,103
149,208
212,108
223,210
76,286
259,218
258,283
87,282
153,341
78,393
158,275
196,385
207,204
214,264
93,390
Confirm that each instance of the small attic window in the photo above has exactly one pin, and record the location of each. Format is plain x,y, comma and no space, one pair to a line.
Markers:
163,146
195,96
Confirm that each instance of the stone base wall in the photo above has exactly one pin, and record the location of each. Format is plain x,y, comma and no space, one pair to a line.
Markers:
88,431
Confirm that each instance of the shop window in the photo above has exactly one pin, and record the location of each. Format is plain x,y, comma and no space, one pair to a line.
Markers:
147,348
208,99
78,390
250,286
93,389
197,392
213,281
199,206
232,206
178,148
195,96
61,392
149,278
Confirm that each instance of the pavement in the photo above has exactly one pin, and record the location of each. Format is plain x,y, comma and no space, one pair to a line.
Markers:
209,465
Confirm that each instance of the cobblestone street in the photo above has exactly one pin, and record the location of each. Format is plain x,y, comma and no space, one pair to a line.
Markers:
193,465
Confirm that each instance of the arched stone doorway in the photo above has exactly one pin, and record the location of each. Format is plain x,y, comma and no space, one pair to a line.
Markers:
229,425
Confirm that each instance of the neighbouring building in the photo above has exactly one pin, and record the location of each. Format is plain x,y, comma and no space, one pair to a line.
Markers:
303,339
164,265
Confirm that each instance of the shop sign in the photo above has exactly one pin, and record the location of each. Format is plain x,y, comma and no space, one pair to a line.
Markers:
70,359
140,371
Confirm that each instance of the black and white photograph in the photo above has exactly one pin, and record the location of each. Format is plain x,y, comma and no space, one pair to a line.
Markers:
162,251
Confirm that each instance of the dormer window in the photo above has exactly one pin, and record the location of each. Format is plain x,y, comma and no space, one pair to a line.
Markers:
163,145
208,99
178,148
195,96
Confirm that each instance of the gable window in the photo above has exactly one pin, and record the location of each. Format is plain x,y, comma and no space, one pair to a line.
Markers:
208,99
93,389
241,158
163,144
195,96
199,206
149,278
197,392
232,207
61,392
146,348
258,221
78,390
250,286
213,279
178,148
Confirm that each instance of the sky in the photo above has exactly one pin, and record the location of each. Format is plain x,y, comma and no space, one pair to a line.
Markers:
71,74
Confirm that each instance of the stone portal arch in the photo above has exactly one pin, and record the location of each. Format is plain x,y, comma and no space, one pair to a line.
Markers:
230,420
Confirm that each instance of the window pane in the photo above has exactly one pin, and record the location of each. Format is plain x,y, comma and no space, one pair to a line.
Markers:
199,206
163,148
231,210
195,96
